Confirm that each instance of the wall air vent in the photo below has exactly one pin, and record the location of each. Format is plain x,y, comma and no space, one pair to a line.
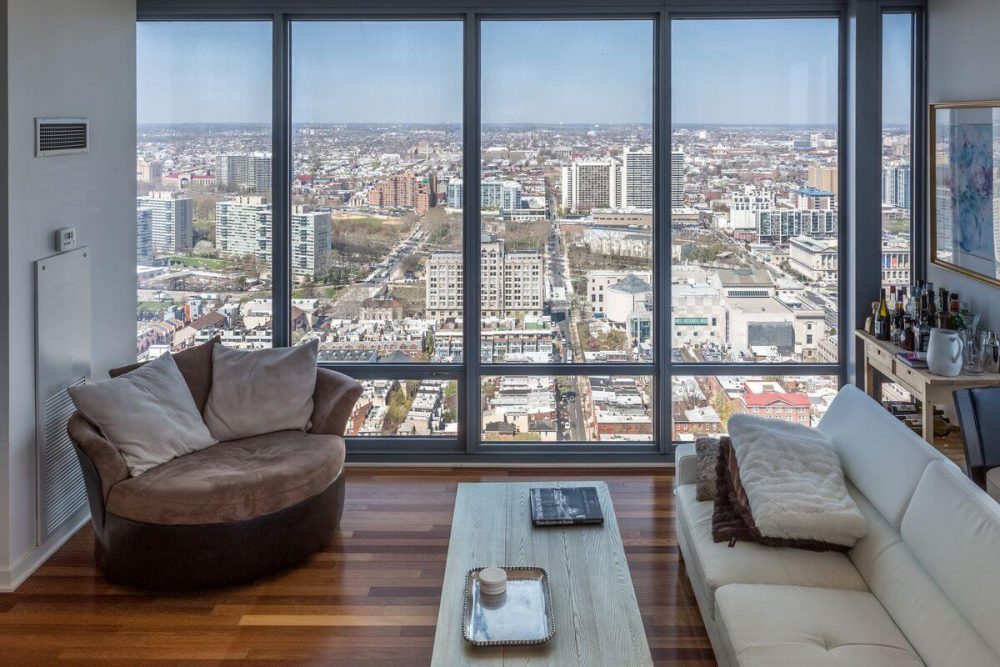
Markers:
61,136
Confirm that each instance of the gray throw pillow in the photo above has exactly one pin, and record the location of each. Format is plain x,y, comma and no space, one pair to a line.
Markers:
707,450
149,414
262,391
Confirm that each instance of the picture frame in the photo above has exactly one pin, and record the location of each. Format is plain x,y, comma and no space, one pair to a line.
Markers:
964,180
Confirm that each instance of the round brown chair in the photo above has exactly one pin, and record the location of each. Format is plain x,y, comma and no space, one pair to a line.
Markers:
227,514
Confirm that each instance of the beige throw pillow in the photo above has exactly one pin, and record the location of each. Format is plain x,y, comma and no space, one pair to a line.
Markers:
262,391
148,414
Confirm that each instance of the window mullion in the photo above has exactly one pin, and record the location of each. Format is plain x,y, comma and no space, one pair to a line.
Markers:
470,416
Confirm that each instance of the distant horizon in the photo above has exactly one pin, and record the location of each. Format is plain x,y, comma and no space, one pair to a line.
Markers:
518,124
776,72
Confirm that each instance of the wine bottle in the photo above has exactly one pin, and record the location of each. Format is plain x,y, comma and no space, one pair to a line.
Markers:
882,323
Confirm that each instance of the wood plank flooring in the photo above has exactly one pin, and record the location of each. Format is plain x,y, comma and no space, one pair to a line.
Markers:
371,598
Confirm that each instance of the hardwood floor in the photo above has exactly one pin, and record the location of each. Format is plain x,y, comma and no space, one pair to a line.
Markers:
369,599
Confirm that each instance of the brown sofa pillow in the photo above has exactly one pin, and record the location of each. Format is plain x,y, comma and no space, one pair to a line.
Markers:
195,364
707,451
732,518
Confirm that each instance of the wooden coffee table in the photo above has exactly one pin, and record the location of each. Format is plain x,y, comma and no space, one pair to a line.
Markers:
596,614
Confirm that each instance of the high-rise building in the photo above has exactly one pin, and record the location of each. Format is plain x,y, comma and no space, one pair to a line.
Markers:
143,235
823,178
744,206
637,178
171,221
148,171
812,197
243,226
897,186
513,282
779,225
456,193
243,173
588,184
677,174
311,242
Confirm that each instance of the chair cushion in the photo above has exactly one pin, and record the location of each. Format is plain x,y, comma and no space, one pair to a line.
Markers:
750,563
255,392
953,529
232,481
870,442
775,626
148,415
195,364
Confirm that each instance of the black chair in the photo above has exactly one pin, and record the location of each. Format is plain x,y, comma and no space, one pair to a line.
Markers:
978,412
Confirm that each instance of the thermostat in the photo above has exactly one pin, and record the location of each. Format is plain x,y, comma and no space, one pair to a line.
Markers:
65,239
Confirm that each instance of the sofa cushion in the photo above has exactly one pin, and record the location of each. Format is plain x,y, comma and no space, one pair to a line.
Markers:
778,626
953,529
919,608
195,364
750,563
871,443
232,481
261,391
148,415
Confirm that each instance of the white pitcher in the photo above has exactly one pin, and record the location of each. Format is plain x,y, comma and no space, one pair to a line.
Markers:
945,353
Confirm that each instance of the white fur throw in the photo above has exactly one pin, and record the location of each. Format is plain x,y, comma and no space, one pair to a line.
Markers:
793,481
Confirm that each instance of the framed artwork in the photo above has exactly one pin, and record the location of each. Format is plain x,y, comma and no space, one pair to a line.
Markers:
965,197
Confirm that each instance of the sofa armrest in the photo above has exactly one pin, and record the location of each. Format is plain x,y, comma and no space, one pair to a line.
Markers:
107,460
687,465
333,401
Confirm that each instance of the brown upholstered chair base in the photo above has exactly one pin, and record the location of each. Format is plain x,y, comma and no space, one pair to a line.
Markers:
190,557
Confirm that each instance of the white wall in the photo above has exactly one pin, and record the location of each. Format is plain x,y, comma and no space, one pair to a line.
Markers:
963,49
64,58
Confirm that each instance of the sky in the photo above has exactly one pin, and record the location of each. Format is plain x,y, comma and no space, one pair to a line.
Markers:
757,71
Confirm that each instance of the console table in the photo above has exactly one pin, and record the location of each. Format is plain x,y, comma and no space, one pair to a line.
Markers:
928,388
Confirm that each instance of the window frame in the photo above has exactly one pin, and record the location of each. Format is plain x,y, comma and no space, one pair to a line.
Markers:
468,445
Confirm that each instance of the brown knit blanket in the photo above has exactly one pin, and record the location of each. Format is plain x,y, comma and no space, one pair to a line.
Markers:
732,519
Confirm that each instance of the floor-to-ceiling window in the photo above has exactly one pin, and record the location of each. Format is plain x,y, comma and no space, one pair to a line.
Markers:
897,150
567,223
377,212
755,283
203,179
585,232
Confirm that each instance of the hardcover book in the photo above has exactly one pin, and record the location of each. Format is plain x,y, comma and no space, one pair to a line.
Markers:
913,359
565,506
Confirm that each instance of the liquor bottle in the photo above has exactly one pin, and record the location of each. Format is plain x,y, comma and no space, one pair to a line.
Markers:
892,299
870,320
882,322
931,310
908,341
924,331
898,319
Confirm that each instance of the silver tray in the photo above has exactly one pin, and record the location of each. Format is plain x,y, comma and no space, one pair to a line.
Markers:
521,615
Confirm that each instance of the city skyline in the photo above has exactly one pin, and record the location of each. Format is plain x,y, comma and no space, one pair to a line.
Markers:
403,60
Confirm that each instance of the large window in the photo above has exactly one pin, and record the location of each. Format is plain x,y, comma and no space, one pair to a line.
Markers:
527,234
897,149
377,189
567,192
203,178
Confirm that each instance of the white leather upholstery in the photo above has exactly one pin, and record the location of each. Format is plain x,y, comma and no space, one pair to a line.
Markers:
872,444
718,564
922,585
686,460
797,626
923,613
953,529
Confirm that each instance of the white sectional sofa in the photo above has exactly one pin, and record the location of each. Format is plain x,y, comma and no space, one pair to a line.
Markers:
922,587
